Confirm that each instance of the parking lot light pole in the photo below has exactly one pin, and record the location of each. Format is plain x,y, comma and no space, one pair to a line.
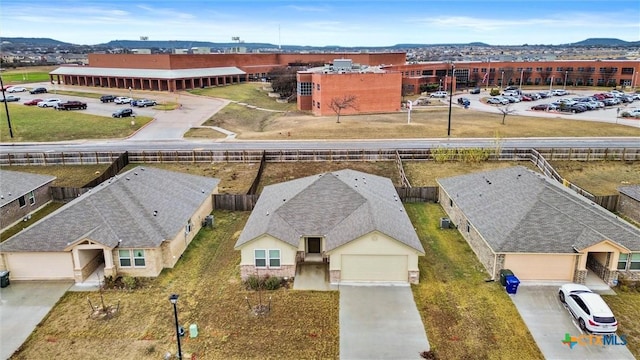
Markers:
521,75
502,81
551,83
130,97
453,76
174,299
565,80
6,108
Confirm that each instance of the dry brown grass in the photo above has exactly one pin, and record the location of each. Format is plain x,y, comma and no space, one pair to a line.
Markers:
429,123
72,175
425,173
599,177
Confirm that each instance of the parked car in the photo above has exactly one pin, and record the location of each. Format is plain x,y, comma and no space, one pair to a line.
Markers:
107,98
631,113
574,108
32,102
474,91
145,103
588,308
497,100
49,103
10,98
122,100
545,107
38,90
439,94
464,101
512,88
559,92
126,112
15,89
545,94
71,105
526,98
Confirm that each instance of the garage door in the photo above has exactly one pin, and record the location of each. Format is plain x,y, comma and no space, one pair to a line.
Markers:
541,266
374,268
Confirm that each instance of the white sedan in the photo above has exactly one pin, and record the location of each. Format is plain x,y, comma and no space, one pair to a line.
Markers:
588,308
15,89
49,103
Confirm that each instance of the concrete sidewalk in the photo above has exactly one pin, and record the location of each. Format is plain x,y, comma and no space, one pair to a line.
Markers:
380,322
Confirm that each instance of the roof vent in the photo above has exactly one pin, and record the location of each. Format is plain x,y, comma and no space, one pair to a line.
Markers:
155,212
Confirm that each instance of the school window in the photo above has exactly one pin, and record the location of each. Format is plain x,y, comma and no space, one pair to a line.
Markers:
274,258
318,104
21,201
32,198
260,258
304,88
318,87
125,258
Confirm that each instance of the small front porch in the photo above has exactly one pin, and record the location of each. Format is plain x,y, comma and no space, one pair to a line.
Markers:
312,276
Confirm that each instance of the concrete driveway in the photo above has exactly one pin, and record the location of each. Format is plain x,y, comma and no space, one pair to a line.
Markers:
380,322
549,322
23,304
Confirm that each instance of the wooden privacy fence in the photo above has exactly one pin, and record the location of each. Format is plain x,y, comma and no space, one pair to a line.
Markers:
256,181
61,193
234,202
255,156
418,194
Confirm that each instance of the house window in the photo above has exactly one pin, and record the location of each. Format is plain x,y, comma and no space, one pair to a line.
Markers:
260,258
187,229
125,258
32,198
468,227
138,258
274,258
451,202
634,263
21,201
622,261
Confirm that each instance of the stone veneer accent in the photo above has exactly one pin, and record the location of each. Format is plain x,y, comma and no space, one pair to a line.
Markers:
629,275
580,276
283,271
334,276
414,277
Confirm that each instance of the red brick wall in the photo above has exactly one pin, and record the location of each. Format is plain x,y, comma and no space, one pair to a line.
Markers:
375,92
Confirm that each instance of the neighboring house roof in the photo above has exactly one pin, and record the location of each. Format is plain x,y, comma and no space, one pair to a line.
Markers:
339,206
518,210
632,191
121,209
14,184
147,73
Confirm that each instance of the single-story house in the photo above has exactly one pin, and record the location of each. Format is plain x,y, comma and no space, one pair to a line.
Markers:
134,224
351,221
21,194
629,201
520,220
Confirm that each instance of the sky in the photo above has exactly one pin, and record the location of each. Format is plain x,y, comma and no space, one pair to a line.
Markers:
324,23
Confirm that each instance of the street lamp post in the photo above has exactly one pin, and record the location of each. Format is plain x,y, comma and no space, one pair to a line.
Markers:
174,299
440,87
551,83
6,108
131,101
453,76
564,87
521,75
501,81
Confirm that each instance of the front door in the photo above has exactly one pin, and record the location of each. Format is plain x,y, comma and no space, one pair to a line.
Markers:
313,245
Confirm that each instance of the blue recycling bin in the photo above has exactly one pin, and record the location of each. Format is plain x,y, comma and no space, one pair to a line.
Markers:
512,284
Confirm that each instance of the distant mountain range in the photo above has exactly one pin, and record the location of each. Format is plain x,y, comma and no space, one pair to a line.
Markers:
182,44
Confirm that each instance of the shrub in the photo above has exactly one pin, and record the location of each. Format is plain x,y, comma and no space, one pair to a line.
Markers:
252,282
129,282
494,92
272,283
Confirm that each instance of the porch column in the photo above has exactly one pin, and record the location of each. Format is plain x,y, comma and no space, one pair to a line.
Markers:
77,269
109,269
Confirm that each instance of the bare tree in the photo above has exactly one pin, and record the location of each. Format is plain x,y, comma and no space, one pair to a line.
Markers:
505,110
340,103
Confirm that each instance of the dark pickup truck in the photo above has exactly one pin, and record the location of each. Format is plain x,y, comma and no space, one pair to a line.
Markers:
71,105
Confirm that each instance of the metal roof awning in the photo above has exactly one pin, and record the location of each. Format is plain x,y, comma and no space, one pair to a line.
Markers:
147,73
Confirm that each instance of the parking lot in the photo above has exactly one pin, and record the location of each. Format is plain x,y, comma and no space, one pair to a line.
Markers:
549,322
608,114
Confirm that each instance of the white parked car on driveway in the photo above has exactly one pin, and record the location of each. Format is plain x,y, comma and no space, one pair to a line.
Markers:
588,308
49,103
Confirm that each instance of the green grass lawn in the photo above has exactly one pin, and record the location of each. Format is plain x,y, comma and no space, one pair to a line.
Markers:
248,93
465,317
31,123
16,77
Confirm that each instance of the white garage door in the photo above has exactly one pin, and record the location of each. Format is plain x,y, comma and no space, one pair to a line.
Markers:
374,268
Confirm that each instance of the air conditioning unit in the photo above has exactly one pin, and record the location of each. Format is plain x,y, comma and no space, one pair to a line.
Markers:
208,221
445,223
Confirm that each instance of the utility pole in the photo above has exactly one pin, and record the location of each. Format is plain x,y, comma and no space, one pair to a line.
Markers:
6,108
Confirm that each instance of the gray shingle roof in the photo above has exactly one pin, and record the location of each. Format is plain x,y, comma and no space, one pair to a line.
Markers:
14,184
341,206
632,191
518,210
121,209
147,73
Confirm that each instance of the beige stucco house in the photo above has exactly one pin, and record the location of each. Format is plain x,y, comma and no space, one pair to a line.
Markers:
352,222
21,194
136,224
520,220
